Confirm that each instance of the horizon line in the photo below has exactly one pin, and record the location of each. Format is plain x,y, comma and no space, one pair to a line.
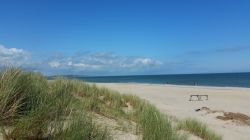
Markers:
78,75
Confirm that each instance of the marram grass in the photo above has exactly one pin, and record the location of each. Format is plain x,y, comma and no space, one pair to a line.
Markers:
32,107
199,129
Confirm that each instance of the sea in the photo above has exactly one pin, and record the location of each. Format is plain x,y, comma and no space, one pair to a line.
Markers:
215,79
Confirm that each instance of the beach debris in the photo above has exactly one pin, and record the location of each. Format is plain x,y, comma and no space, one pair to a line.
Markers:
239,118
209,111
201,109
235,117
197,109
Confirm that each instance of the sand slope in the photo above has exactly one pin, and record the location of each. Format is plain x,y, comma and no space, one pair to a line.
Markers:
174,100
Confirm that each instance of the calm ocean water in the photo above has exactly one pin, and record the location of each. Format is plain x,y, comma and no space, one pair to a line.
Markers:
221,79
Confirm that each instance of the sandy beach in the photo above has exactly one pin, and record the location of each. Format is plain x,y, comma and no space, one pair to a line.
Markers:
174,100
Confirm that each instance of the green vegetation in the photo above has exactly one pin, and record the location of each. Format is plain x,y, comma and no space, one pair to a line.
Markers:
32,107
197,128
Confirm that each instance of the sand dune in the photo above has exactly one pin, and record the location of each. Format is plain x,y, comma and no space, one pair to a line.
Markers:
174,100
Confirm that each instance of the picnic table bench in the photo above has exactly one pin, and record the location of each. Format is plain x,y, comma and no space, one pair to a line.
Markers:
199,97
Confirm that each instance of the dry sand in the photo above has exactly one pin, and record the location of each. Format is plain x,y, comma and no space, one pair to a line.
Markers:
174,100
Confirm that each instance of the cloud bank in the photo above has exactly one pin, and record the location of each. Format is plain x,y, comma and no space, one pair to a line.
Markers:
96,61
13,56
102,63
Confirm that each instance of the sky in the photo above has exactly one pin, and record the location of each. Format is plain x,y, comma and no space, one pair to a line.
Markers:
125,37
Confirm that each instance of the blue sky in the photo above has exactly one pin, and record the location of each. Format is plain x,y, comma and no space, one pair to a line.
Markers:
125,37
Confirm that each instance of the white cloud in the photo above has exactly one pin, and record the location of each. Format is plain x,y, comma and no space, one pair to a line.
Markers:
85,63
54,64
13,56
86,66
146,61
103,61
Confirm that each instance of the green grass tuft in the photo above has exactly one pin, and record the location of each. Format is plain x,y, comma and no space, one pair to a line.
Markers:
199,129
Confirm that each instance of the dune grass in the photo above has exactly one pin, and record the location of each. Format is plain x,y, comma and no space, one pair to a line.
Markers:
199,129
34,108
155,126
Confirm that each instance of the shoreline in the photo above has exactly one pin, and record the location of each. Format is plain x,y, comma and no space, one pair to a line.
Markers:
175,85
